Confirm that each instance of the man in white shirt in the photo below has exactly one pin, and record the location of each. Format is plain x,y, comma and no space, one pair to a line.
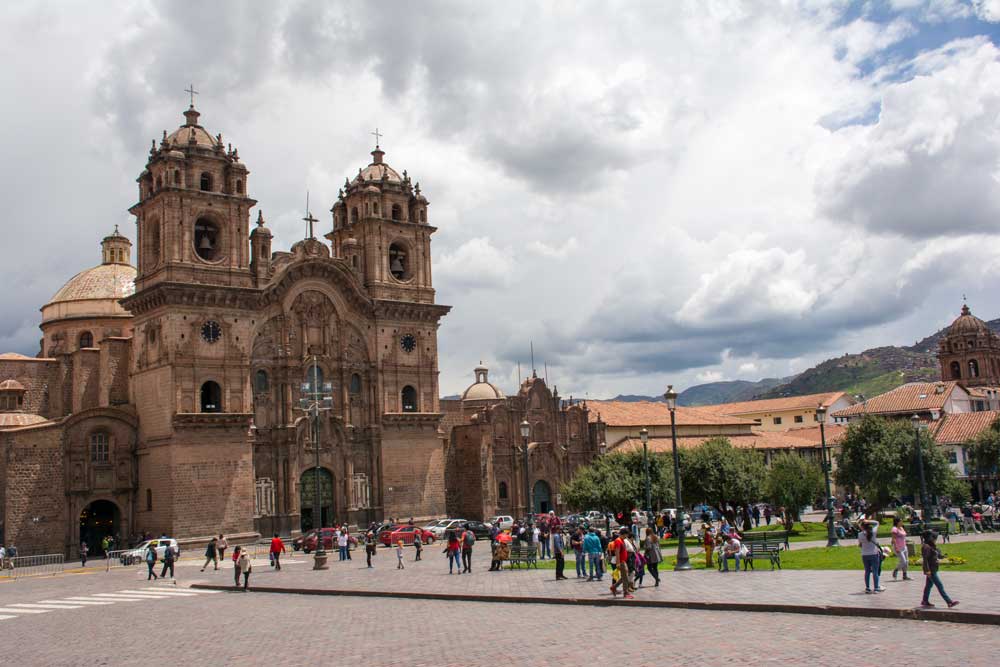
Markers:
536,539
342,544
731,549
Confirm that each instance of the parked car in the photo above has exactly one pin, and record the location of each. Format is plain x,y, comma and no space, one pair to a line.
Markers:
502,521
329,541
138,554
444,525
297,542
672,513
406,533
705,513
478,528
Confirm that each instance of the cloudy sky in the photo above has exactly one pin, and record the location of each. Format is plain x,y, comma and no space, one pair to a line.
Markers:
651,192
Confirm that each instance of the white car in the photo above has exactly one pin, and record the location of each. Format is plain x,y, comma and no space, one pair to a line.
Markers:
502,521
443,526
138,554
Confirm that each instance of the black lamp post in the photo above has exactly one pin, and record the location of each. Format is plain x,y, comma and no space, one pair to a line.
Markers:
316,399
528,500
831,534
644,436
607,515
683,563
925,515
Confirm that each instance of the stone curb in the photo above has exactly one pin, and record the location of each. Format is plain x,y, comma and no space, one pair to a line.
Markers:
916,614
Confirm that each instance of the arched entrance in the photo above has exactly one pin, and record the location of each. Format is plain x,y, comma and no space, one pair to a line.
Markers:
98,520
542,496
307,497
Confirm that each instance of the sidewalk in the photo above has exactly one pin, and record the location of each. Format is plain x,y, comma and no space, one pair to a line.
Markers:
803,591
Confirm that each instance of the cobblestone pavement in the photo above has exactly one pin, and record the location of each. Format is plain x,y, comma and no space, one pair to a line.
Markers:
249,629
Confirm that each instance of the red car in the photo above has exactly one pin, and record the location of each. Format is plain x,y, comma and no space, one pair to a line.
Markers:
329,541
405,533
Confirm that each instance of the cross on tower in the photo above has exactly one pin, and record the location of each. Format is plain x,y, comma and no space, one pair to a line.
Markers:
377,135
309,219
190,90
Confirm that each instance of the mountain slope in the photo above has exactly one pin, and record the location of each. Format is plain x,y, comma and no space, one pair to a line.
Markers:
726,392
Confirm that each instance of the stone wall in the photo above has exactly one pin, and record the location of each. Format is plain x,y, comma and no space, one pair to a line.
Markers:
413,462
37,376
34,508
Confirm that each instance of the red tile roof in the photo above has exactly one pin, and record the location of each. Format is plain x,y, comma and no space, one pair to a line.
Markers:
649,413
807,402
907,398
959,427
762,440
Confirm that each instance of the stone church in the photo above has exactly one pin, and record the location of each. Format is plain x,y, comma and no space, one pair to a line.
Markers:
168,397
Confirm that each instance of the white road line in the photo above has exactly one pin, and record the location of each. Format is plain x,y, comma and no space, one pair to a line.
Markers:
27,605
4,618
8,610
125,598
87,599
162,594
83,602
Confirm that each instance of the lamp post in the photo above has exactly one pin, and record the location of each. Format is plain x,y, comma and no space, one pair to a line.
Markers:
528,500
683,563
644,436
316,399
915,420
831,534
607,515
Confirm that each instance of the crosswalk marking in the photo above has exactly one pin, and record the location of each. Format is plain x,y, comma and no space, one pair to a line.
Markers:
101,600
164,594
3,618
119,596
83,602
8,610
32,605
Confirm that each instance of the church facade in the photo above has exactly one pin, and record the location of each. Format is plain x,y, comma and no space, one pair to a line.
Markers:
179,405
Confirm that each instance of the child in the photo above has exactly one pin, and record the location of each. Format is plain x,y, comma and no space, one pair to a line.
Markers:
399,555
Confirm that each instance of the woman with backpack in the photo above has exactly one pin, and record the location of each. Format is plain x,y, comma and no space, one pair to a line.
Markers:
651,551
871,555
151,561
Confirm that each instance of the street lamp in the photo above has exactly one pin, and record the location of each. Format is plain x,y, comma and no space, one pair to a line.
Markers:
528,500
915,420
607,515
683,563
644,436
316,399
831,534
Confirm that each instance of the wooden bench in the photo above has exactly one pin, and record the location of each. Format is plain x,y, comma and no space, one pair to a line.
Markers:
768,551
778,537
523,553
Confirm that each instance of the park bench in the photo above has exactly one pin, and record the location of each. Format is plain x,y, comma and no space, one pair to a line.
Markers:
522,552
769,551
915,530
773,537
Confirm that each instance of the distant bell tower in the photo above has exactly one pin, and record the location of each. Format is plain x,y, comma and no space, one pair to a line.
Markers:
969,352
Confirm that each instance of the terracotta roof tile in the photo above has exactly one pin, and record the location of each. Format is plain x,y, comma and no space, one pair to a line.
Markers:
959,427
649,413
16,419
806,402
794,439
911,397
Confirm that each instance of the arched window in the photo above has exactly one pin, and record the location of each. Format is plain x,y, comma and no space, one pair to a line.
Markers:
409,399
239,186
313,379
177,177
211,397
206,239
423,215
86,339
354,261
261,383
374,208
99,448
159,182
206,181
956,370
538,432
149,500
153,231
502,491
973,368
354,214
355,384
397,212
399,261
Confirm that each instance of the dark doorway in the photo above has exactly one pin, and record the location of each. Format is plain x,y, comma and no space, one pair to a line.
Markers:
543,497
211,397
307,497
98,520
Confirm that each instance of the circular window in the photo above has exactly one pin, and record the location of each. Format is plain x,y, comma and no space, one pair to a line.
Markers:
399,261
207,240
408,342
211,331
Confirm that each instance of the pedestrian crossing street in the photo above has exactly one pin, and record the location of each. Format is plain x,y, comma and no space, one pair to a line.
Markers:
25,609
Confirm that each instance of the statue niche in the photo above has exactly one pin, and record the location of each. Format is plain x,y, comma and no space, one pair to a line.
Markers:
315,319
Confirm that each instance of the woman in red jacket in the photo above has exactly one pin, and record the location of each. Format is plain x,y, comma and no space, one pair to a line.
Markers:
454,552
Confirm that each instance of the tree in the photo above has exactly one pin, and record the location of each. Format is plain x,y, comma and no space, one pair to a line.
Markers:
793,482
615,483
718,474
878,456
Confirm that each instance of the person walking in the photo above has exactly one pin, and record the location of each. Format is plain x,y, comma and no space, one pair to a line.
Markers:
370,546
576,543
453,550
468,541
220,546
277,548
399,555
899,547
558,551
150,556
237,550
245,568
592,547
342,544
619,549
168,560
211,555
83,554
418,543
651,551
931,558
871,554
756,516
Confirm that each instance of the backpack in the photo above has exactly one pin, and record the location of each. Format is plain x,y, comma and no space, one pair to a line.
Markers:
469,538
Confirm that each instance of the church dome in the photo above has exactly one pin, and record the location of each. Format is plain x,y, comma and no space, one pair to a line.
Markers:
96,291
482,389
377,170
181,137
967,324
